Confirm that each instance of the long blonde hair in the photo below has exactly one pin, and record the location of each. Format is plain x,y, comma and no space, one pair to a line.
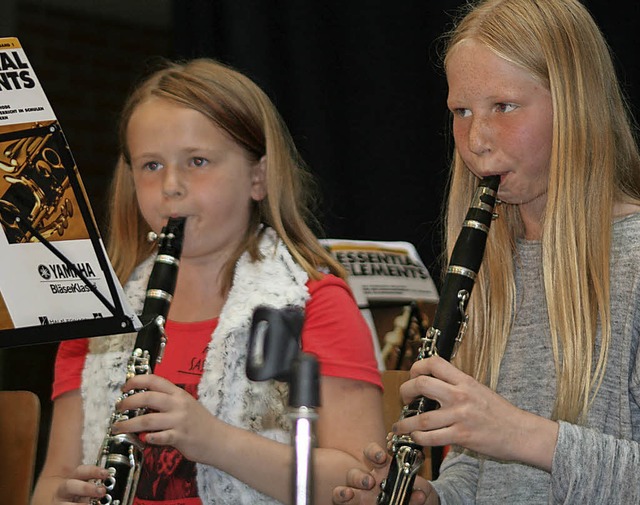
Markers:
236,105
594,163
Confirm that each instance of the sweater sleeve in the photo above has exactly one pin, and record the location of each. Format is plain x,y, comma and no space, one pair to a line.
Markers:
591,467
601,464
457,482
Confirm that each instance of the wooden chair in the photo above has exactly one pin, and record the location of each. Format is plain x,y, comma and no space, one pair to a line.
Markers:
392,405
19,427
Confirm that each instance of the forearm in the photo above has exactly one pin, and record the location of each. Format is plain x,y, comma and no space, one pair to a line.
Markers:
350,418
64,451
532,441
267,465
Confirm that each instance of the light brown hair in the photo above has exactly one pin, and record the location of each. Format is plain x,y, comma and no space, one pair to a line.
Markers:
236,105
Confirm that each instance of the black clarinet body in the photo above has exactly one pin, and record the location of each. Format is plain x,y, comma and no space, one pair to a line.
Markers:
445,334
122,455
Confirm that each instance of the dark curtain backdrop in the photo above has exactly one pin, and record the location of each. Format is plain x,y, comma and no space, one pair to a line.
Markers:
359,85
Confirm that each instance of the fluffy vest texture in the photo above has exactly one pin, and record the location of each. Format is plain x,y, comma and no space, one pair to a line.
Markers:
275,281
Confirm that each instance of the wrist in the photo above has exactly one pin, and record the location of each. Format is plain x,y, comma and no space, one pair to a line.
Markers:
218,443
536,441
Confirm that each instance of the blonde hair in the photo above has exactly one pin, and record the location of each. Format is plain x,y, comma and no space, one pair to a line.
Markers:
594,163
236,105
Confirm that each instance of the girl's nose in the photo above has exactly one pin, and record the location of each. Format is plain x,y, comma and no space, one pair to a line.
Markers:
173,184
479,136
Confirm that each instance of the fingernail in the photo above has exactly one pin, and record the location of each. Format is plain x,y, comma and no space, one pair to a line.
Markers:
365,482
378,456
394,429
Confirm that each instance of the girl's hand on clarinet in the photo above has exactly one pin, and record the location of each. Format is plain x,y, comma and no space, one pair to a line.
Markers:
84,484
175,418
363,487
474,416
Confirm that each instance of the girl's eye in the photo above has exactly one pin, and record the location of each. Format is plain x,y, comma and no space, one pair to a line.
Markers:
199,162
462,112
505,107
152,166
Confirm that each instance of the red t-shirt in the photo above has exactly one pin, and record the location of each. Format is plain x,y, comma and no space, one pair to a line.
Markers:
334,331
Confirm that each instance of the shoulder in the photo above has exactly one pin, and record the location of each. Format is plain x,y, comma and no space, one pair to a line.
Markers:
626,235
328,282
331,303
625,259
330,289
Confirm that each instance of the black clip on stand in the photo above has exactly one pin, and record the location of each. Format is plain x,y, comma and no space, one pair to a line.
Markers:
274,353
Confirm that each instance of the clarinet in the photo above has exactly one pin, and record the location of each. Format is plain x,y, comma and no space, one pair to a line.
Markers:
444,336
122,455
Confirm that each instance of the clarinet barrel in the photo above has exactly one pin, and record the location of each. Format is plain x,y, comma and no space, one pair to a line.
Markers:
445,334
122,455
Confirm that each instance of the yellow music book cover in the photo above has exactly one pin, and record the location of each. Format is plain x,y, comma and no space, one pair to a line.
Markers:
56,281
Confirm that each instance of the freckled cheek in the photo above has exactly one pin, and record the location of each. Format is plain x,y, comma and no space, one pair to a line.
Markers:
537,145
458,129
525,141
461,137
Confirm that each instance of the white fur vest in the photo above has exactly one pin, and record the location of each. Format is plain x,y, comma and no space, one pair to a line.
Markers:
224,389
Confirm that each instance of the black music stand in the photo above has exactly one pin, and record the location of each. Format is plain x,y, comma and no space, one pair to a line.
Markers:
274,353
43,200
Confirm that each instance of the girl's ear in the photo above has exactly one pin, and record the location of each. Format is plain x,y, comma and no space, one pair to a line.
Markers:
259,179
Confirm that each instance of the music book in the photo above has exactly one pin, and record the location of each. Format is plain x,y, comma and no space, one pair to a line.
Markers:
382,271
56,281
393,288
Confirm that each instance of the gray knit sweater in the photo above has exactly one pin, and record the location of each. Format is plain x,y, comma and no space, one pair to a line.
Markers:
594,464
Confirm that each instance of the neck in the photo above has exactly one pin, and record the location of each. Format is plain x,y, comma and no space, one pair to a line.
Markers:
198,295
532,215
532,228
622,209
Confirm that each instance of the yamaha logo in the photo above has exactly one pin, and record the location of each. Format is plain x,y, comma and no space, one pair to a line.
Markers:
44,272
62,271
